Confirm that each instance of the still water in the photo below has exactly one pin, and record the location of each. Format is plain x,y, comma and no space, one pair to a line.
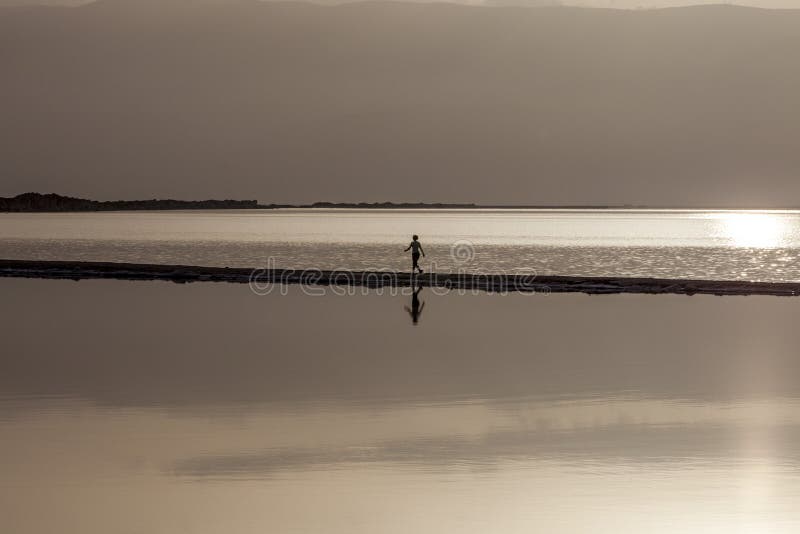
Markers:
203,408
735,245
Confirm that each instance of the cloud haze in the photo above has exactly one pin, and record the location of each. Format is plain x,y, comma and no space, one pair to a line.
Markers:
616,4
404,102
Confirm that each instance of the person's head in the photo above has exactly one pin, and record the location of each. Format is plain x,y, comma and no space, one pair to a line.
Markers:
415,237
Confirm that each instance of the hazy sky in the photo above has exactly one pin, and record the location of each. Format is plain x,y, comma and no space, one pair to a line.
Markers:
288,102
622,4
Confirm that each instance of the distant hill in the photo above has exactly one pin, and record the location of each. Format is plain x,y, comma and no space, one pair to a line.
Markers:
31,202
370,101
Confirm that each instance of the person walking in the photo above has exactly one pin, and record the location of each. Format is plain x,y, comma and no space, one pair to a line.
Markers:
416,248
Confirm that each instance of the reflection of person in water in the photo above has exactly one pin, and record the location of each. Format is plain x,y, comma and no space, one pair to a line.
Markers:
416,309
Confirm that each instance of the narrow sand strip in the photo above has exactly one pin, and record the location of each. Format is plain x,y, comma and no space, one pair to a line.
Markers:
79,270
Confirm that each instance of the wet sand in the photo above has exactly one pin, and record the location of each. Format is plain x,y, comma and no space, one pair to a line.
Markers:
78,270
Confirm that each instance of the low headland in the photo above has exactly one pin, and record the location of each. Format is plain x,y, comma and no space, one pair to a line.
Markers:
81,270
51,202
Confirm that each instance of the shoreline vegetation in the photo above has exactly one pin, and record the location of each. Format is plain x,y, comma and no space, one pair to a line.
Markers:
265,278
51,202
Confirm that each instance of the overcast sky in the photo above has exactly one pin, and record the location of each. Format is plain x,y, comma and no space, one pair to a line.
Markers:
286,102
623,4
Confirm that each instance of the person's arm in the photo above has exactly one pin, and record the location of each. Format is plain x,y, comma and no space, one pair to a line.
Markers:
423,252
407,248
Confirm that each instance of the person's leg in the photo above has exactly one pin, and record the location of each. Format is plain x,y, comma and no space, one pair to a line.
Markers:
414,262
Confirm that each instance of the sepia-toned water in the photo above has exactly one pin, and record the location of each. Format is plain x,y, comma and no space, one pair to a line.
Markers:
725,245
204,408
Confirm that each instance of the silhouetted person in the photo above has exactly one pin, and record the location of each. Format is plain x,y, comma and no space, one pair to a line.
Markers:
416,309
415,247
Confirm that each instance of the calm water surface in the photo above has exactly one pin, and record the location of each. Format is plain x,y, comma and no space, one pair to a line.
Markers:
155,407
681,244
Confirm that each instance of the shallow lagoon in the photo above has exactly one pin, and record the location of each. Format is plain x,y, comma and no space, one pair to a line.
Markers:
719,245
143,406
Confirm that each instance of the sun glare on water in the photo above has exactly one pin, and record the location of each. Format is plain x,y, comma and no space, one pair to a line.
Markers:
758,230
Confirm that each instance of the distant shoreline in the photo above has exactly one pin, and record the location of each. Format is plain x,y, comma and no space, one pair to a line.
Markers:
51,202
54,203
80,270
